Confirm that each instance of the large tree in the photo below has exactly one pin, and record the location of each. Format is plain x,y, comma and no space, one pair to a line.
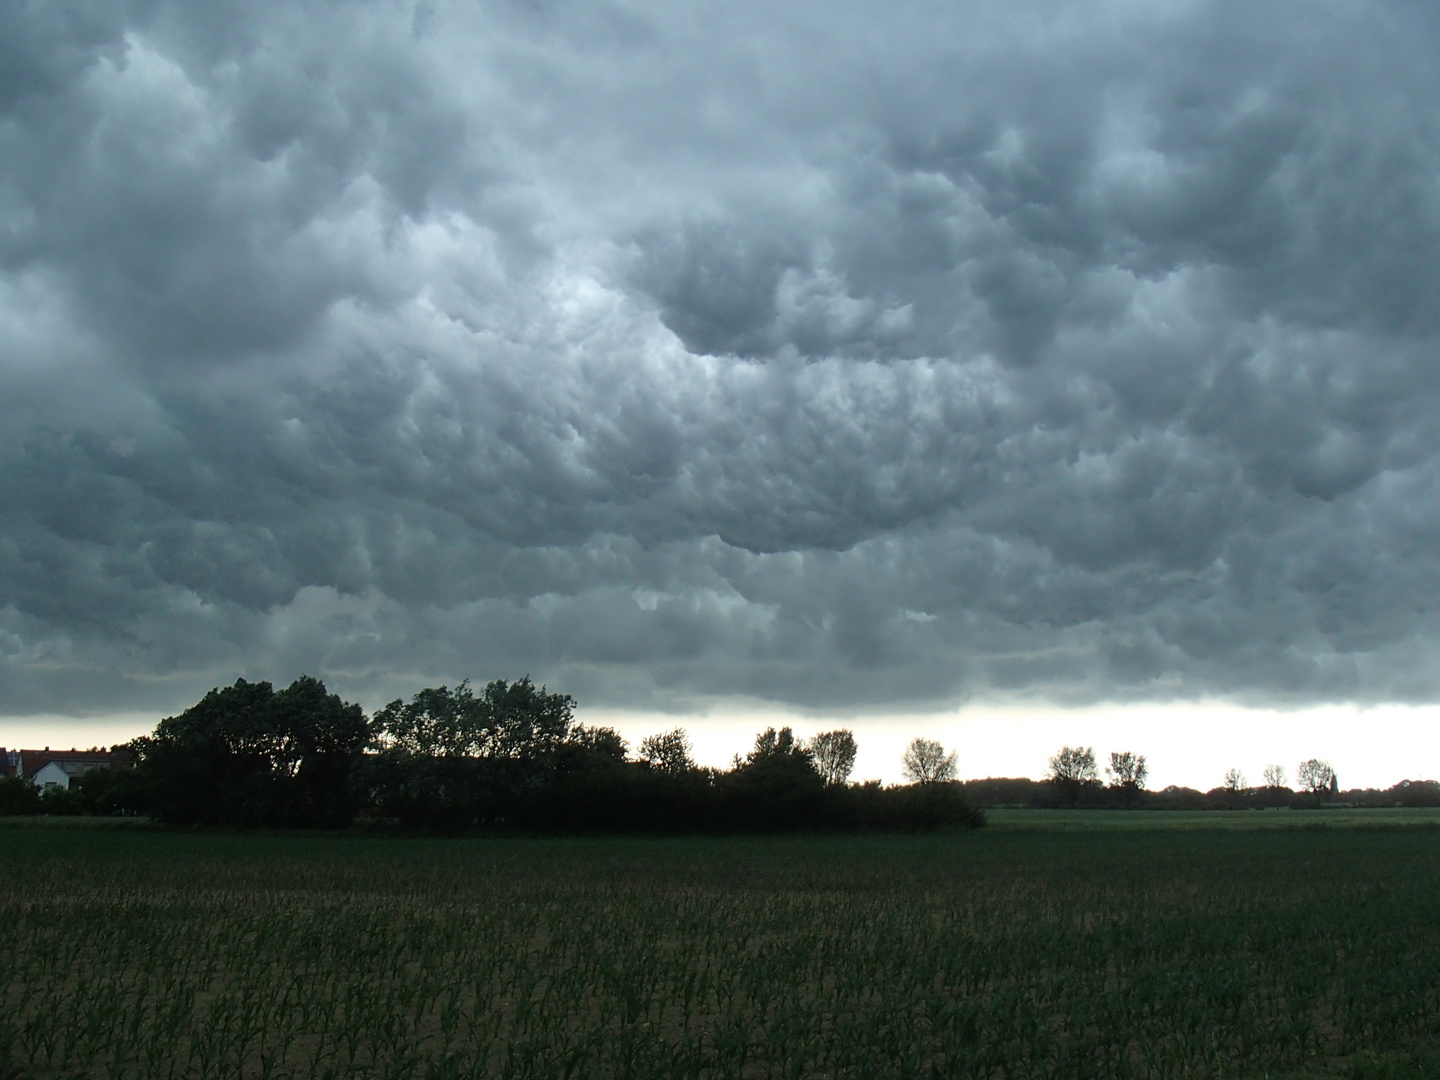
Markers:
1072,770
775,787
834,754
1127,771
926,762
247,755
505,720
773,747
586,745
1318,778
668,752
456,759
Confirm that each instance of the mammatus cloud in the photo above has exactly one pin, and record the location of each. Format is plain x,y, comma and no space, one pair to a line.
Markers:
839,358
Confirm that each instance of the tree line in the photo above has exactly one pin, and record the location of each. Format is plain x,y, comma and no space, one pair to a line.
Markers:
1073,773
508,757
1073,779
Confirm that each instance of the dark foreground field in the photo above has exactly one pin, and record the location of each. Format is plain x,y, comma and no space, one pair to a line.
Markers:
1031,948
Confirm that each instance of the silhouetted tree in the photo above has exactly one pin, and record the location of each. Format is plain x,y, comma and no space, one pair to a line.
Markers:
246,755
1234,780
454,759
1415,793
1318,778
668,752
772,746
1071,771
591,748
775,787
1127,772
525,721
926,762
436,722
834,755
505,720
1274,776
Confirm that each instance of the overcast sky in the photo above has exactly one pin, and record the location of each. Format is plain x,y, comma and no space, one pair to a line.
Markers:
842,358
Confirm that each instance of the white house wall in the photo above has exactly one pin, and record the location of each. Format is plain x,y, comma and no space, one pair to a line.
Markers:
49,775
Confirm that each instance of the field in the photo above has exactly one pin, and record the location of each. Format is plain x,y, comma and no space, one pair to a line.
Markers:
1046,945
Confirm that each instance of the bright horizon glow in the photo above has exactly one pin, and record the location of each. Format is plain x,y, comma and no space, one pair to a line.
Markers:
1189,744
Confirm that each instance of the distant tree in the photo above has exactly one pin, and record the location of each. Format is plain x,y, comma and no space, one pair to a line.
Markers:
772,745
1416,793
668,752
1127,772
1072,770
1234,780
1127,769
1274,776
834,755
1317,777
926,762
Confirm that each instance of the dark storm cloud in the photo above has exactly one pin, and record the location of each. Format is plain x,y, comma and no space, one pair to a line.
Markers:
838,358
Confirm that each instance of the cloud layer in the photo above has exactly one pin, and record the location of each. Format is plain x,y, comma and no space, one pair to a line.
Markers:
842,358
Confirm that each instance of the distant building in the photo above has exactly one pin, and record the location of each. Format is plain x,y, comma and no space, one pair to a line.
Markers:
48,768
9,762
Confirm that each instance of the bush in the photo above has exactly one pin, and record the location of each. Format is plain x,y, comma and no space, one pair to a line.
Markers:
62,802
111,793
18,797
913,808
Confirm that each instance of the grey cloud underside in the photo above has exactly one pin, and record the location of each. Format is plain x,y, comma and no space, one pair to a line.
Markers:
833,357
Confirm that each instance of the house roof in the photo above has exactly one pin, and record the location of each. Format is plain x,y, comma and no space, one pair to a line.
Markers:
72,762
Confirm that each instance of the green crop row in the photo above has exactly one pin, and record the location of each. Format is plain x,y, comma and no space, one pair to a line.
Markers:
1034,954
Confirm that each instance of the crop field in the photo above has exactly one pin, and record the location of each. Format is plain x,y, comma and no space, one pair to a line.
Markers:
1026,949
